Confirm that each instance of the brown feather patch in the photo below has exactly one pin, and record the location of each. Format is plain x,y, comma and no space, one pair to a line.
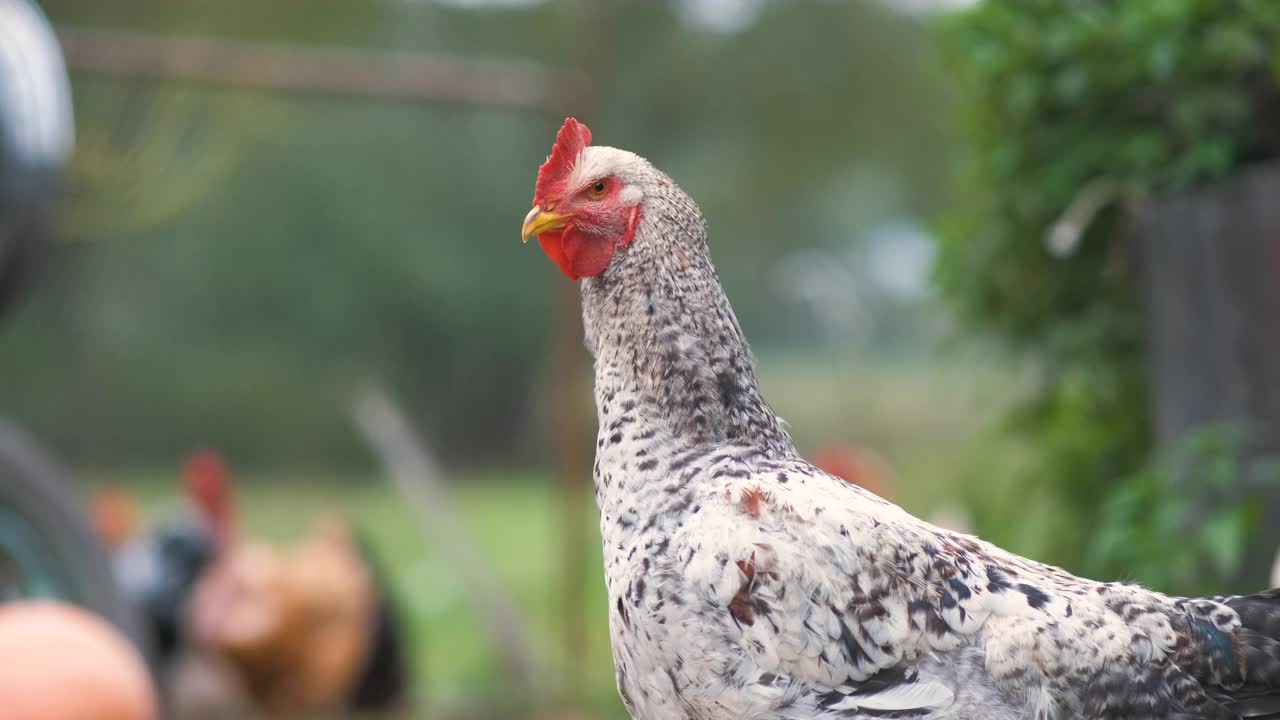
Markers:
753,501
742,607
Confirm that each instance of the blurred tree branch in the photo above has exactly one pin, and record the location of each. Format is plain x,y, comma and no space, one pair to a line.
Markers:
398,76
414,472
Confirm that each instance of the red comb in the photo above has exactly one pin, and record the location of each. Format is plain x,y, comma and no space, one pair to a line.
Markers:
572,139
207,484
205,476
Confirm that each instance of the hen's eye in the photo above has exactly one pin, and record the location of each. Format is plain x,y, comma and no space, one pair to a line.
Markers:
598,189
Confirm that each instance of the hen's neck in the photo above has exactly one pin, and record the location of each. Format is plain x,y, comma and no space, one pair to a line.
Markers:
667,342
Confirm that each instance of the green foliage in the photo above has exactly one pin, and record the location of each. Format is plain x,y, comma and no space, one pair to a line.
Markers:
1188,510
1155,96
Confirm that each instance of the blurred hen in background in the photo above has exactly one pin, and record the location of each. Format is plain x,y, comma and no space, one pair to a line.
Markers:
158,566
235,622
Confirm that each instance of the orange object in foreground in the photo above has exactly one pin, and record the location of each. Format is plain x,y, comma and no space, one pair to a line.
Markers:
63,663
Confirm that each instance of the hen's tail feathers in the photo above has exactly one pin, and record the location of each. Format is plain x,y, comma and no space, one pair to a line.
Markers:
384,682
1257,648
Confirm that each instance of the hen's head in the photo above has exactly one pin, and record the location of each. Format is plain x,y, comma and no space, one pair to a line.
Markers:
587,202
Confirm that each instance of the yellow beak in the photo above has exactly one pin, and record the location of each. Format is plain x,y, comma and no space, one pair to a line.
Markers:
539,221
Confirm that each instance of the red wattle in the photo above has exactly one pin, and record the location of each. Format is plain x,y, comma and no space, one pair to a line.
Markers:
551,245
588,255
577,254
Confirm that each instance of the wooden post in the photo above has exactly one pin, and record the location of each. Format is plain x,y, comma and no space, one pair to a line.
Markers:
570,407
1210,262
573,430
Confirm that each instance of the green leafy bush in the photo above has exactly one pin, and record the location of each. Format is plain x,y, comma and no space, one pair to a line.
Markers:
1056,96
1198,487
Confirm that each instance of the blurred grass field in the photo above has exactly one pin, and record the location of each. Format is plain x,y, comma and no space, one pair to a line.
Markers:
931,423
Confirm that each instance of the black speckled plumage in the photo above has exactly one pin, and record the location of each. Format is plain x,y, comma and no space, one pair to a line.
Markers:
745,583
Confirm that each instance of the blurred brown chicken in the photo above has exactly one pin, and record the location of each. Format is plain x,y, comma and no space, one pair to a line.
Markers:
236,622
296,622
869,471
857,466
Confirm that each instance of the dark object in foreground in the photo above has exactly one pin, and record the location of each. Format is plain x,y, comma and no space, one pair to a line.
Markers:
36,133
47,549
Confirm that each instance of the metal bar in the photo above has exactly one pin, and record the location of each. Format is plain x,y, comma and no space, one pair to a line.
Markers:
394,76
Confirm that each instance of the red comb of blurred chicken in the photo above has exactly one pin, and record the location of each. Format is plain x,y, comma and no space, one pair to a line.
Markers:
207,483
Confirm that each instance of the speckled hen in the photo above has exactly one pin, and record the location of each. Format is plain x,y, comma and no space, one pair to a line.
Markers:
745,583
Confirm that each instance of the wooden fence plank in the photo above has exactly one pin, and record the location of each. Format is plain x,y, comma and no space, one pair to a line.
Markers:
1210,263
